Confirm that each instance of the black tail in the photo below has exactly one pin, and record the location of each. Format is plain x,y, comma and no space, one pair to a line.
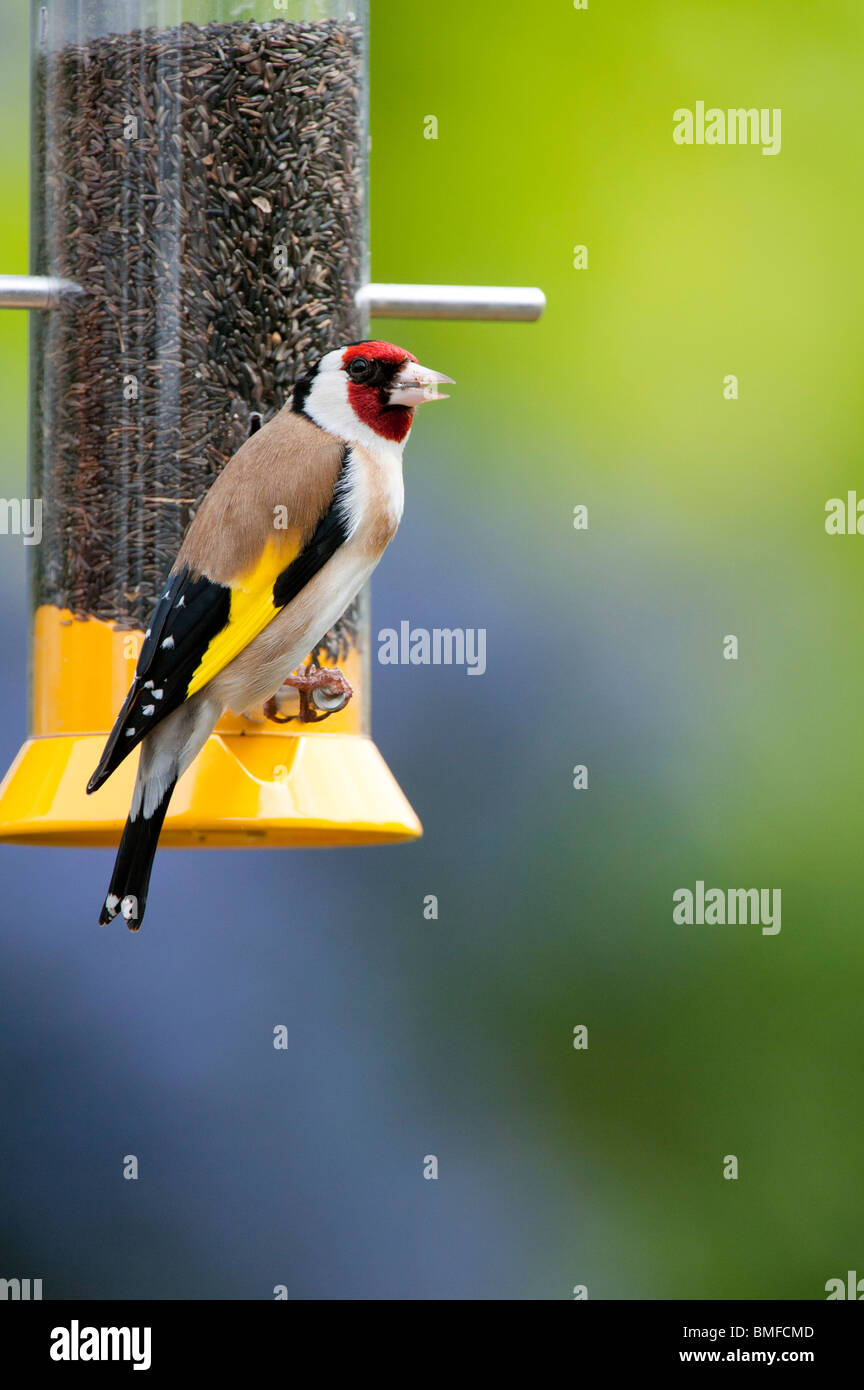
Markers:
131,877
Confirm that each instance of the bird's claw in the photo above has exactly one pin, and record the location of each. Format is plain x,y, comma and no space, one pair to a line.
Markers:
324,687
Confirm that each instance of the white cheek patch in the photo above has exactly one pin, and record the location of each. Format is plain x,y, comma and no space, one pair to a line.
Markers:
327,402
328,405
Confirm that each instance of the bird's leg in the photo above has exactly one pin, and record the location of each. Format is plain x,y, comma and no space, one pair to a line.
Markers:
332,684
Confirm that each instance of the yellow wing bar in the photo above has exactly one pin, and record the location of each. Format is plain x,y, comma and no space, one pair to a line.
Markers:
252,608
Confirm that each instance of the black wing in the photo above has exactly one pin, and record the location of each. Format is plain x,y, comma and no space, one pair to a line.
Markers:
185,620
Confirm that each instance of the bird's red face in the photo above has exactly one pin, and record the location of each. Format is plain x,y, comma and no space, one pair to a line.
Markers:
367,391
385,383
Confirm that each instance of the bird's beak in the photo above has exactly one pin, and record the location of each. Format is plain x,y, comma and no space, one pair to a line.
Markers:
413,384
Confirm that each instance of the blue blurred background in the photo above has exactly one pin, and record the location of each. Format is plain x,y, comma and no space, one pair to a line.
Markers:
453,1037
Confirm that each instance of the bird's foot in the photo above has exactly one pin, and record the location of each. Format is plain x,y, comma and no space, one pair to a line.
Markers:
323,690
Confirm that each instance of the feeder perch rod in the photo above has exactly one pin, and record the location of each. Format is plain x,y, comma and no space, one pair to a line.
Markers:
34,291
501,303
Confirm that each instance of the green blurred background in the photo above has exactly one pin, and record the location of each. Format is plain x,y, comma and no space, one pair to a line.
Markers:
601,1167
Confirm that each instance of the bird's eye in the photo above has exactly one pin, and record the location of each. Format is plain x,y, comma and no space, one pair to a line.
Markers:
360,369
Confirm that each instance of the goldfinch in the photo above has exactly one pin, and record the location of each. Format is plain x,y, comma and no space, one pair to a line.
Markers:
279,548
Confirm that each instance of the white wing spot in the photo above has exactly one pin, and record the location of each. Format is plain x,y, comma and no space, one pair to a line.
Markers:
129,907
181,601
147,633
148,709
112,902
168,643
157,694
148,685
130,733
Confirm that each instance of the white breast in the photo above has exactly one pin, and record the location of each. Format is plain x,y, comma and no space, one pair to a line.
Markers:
373,490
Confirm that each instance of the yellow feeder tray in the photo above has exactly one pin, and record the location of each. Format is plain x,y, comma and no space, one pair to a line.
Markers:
242,792
253,784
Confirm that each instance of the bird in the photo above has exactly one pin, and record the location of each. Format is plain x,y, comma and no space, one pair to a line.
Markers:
278,549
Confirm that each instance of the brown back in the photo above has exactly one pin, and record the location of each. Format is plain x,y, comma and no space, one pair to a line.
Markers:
289,463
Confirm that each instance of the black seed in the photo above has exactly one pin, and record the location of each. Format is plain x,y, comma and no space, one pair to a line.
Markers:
145,387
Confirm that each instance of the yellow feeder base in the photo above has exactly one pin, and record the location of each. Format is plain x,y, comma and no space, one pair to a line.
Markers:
264,790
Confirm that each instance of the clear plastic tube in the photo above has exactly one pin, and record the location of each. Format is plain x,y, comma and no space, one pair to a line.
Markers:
199,170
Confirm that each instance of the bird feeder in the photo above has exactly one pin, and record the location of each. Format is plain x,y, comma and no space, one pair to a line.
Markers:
199,237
